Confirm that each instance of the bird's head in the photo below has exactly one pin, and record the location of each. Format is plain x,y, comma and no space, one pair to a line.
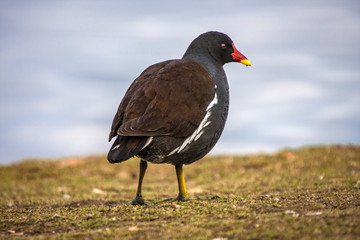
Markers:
220,46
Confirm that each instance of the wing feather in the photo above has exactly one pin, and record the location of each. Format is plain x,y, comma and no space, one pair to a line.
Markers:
168,98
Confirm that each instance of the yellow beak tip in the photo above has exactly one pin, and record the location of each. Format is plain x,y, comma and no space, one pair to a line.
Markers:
245,62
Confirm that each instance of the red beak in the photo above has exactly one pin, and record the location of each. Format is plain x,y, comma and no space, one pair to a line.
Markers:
239,57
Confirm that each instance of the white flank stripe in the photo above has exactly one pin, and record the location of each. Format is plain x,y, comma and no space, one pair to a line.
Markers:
199,131
116,147
172,152
199,135
207,123
147,142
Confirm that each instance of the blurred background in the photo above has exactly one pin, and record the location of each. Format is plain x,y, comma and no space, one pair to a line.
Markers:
65,66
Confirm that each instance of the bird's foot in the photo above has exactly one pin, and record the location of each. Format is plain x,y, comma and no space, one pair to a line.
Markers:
181,199
138,200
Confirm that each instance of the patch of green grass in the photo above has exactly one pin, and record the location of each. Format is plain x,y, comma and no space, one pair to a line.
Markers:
310,193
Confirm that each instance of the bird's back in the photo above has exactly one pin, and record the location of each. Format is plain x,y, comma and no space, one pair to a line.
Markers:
161,109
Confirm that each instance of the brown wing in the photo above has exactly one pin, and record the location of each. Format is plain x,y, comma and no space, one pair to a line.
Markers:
168,98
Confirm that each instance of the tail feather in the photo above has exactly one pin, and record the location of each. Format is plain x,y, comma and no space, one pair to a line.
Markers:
126,147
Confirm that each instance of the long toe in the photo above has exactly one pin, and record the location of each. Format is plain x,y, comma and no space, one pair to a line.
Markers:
209,197
177,199
183,199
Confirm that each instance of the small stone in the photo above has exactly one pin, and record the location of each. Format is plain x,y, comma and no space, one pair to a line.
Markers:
293,213
98,191
133,228
313,214
66,196
13,232
174,205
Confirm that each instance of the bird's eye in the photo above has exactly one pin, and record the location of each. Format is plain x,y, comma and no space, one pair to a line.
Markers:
223,46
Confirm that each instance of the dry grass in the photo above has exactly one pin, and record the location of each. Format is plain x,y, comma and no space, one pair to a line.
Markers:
311,193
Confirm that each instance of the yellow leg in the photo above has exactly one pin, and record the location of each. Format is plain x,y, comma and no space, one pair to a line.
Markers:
183,195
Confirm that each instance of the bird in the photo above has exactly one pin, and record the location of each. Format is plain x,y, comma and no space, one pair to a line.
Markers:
176,110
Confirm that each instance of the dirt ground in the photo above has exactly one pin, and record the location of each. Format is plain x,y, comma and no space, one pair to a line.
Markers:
309,193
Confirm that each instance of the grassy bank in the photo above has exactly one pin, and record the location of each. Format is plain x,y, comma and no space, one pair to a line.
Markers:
310,193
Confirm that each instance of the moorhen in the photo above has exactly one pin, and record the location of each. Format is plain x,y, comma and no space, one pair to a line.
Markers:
175,111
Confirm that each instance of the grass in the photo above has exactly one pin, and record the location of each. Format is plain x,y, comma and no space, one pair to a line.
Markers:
309,193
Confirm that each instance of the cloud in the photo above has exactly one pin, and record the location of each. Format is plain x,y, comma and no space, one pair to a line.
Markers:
66,65
286,92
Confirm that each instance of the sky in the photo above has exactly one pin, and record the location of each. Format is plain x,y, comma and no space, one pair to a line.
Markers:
65,66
